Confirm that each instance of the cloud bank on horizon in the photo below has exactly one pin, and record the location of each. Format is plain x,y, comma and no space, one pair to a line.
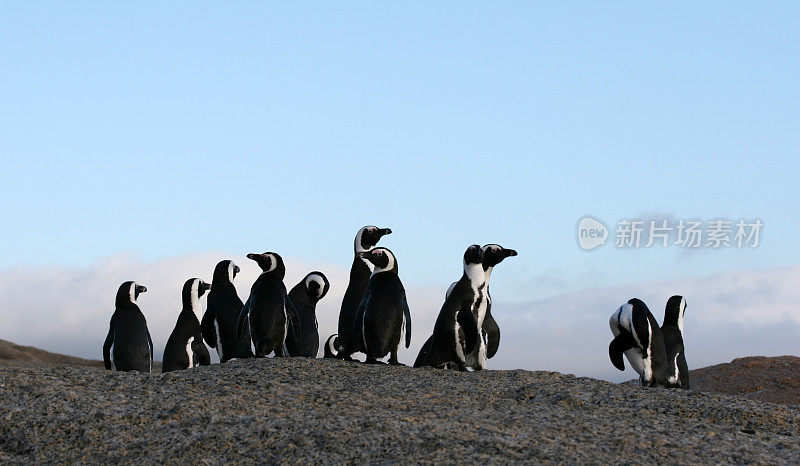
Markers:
729,315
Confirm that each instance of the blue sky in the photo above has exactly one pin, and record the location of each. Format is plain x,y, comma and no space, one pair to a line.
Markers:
165,130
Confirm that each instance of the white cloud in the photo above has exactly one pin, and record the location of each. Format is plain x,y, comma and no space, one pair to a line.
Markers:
740,313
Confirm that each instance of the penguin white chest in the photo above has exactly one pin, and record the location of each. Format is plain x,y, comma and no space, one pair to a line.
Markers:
189,352
219,339
459,346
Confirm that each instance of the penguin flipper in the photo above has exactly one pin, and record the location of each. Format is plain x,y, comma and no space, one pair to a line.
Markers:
683,371
242,319
407,315
202,352
492,335
423,353
107,348
470,328
358,325
622,342
207,327
294,323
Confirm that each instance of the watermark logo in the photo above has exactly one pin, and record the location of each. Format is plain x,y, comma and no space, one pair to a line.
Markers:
688,234
591,233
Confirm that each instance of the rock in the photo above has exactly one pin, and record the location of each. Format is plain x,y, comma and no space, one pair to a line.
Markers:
302,410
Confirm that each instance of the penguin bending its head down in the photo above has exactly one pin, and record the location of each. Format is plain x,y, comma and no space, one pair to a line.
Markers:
456,333
638,336
360,272
185,348
303,299
222,313
128,346
265,309
383,314
330,349
672,329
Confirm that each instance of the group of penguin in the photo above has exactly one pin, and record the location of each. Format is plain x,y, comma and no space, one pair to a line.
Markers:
374,318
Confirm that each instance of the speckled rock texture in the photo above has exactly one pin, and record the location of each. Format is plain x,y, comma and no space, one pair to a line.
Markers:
300,410
773,379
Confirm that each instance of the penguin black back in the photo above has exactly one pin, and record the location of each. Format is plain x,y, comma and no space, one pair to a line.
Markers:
128,346
360,271
672,329
219,323
185,348
265,310
303,299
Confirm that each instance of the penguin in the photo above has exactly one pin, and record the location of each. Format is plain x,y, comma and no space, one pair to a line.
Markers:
265,309
128,346
638,336
456,333
302,300
487,345
672,329
383,314
330,348
360,272
222,314
185,348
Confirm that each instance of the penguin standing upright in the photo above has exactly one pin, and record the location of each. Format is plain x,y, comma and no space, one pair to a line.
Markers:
360,272
487,345
638,336
302,300
383,313
128,346
456,333
222,314
265,309
672,329
185,348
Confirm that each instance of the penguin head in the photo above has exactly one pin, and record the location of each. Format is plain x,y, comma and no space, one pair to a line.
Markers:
269,262
673,313
129,292
638,305
473,255
381,258
193,289
224,273
317,285
494,254
368,236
